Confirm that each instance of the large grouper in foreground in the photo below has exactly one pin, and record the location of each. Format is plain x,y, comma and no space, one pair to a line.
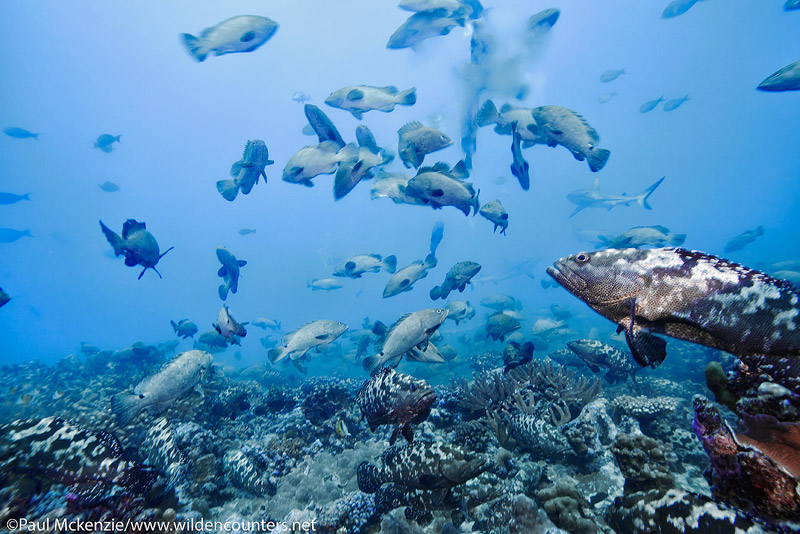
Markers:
687,295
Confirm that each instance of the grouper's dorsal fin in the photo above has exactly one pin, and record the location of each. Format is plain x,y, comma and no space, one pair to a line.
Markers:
130,226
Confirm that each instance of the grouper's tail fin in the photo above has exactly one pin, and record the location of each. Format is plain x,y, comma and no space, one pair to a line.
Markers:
228,189
113,238
598,158
125,407
644,195
194,46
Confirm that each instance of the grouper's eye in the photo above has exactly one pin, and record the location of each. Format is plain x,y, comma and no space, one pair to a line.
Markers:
583,257
413,387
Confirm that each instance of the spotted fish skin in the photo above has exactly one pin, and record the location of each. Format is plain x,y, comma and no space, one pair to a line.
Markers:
163,453
243,473
392,398
687,295
598,355
64,452
428,465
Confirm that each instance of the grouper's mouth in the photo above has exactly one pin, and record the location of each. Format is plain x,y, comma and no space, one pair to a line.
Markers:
567,277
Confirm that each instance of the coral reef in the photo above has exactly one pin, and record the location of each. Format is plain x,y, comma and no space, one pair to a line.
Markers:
643,408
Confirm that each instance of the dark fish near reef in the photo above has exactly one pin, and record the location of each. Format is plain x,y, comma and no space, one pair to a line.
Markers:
362,98
105,142
410,336
4,298
227,326
246,171
158,391
499,325
743,239
161,450
322,125
599,355
184,328
416,141
137,245
9,235
687,295
109,187
496,213
63,452
515,355
243,472
519,167
356,266
243,33
392,398
20,133
457,277
212,340
562,126
427,465
229,272
11,198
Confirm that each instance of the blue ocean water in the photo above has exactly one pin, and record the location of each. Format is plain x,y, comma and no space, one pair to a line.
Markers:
75,70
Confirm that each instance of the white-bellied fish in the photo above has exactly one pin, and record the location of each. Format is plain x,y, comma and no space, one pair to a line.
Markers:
356,266
311,161
243,33
411,332
687,295
362,98
158,391
137,245
593,198
228,327
442,186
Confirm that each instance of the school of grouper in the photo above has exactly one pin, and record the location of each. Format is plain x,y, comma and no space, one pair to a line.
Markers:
528,446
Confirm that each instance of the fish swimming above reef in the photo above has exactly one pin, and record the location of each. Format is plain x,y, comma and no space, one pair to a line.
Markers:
20,133
642,236
497,214
243,33
311,161
184,328
442,186
362,98
457,277
246,171
424,25
392,398
426,465
515,355
460,310
410,336
499,325
228,327
743,239
60,451
294,345
137,245
599,355
229,272
415,141
786,79
105,142
562,126
356,266
403,280
158,391
687,295
322,125
593,198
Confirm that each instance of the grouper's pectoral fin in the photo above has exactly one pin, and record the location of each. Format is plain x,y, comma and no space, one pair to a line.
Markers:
646,349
